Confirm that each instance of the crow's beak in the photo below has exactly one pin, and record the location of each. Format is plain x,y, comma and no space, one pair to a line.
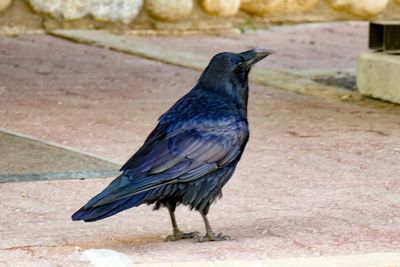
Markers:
254,55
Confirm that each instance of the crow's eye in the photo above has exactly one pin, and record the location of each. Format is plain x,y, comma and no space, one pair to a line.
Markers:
236,60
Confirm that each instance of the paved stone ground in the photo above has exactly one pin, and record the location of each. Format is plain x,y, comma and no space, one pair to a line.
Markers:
318,178
299,47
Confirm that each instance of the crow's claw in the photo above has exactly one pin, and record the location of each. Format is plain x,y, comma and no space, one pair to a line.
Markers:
212,237
180,235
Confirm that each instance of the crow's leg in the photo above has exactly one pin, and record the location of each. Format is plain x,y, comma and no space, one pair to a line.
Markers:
177,234
210,235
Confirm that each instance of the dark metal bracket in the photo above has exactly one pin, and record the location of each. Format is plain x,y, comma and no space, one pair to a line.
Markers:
385,36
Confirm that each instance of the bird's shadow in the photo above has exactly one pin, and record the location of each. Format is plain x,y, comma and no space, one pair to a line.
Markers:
115,242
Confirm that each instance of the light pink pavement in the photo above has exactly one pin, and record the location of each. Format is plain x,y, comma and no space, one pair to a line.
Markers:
317,178
298,47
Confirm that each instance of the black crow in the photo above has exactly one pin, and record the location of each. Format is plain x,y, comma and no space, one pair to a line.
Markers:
192,152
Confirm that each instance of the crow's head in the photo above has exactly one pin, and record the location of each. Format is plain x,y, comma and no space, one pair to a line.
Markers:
229,71
232,66
227,63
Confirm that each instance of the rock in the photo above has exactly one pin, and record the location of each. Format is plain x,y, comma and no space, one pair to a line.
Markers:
265,7
108,10
113,10
300,5
261,7
4,4
361,8
169,10
223,8
72,9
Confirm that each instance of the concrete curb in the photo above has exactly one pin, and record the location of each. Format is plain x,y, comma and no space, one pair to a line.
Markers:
292,81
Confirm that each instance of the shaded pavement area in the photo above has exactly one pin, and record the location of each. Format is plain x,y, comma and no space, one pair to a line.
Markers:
31,160
318,178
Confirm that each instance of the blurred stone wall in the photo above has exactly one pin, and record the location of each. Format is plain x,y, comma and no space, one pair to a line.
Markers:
181,16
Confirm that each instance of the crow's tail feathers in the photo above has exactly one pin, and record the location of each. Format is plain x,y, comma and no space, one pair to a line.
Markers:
91,214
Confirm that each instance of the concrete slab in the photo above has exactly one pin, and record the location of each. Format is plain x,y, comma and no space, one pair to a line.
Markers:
317,178
378,76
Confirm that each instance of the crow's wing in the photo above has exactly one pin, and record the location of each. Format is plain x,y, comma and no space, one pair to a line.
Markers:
181,152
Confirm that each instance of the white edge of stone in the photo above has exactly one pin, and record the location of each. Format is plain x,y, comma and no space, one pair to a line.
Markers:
362,260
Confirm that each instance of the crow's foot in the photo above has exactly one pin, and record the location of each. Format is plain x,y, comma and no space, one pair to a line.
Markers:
212,237
180,235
